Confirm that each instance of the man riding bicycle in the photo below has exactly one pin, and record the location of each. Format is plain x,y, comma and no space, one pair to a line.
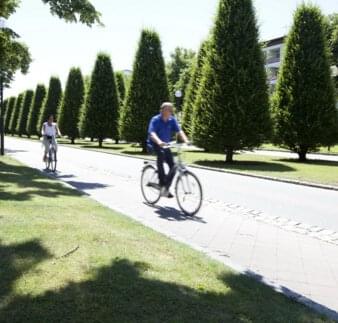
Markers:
49,132
160,131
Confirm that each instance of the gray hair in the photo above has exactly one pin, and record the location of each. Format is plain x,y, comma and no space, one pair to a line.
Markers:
166,105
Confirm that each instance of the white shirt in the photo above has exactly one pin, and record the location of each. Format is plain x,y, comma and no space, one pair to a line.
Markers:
49,130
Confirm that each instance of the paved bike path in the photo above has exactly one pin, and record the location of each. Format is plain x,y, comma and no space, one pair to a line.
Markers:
230,226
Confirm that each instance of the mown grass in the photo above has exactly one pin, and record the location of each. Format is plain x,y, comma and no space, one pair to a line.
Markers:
65,258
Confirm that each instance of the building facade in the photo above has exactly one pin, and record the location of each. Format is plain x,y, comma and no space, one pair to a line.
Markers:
273,52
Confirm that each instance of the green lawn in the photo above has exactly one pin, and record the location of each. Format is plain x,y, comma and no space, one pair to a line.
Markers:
322,172
65,258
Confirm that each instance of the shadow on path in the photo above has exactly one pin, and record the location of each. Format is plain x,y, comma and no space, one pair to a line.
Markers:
86,185
13,151
172,214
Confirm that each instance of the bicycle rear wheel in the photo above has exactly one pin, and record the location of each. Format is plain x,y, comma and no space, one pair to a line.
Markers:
150,185
189,193
53,160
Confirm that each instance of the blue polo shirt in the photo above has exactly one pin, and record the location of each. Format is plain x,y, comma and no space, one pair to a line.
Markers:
163,129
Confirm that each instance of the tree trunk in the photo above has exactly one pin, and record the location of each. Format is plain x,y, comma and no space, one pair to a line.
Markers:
116,141
229,155
91,139
302,153
72,141
100,142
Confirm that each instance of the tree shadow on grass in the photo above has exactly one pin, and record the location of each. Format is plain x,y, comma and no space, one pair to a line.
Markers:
123,292
24,183
246,165
16,260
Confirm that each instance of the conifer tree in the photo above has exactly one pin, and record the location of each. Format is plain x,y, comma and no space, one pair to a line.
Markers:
9,113
71,105
232,109
24,113
192,89
148,89
52,102
35,111
101,113
16,114
304,105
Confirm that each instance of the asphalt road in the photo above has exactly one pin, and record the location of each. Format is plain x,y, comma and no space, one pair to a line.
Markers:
312,206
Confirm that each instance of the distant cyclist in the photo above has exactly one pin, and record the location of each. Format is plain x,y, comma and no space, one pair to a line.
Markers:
160,132
49,132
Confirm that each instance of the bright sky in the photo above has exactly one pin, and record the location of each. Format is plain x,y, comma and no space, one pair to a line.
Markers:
57,46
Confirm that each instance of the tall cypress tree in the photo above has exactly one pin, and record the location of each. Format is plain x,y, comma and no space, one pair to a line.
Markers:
121,86
71,105
24,113
148,89
4,108
232,109
52,101
35,111
16,114
9,113
101,113
192,89
304,105
83,123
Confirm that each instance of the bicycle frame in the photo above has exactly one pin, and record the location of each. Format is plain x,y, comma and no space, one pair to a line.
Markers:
182,176
179,165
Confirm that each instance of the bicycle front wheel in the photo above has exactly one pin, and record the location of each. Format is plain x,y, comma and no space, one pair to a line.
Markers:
150,185
189,193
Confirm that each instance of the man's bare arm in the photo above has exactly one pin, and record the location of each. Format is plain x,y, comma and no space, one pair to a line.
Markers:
183,137
154,137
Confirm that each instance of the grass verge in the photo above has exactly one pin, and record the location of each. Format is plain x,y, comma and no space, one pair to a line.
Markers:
65,258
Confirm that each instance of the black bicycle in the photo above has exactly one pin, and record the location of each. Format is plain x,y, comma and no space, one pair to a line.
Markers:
51,159
188,189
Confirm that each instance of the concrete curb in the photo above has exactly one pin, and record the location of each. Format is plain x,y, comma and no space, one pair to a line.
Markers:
288,151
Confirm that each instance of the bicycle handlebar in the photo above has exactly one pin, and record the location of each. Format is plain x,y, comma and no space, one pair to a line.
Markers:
176,145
